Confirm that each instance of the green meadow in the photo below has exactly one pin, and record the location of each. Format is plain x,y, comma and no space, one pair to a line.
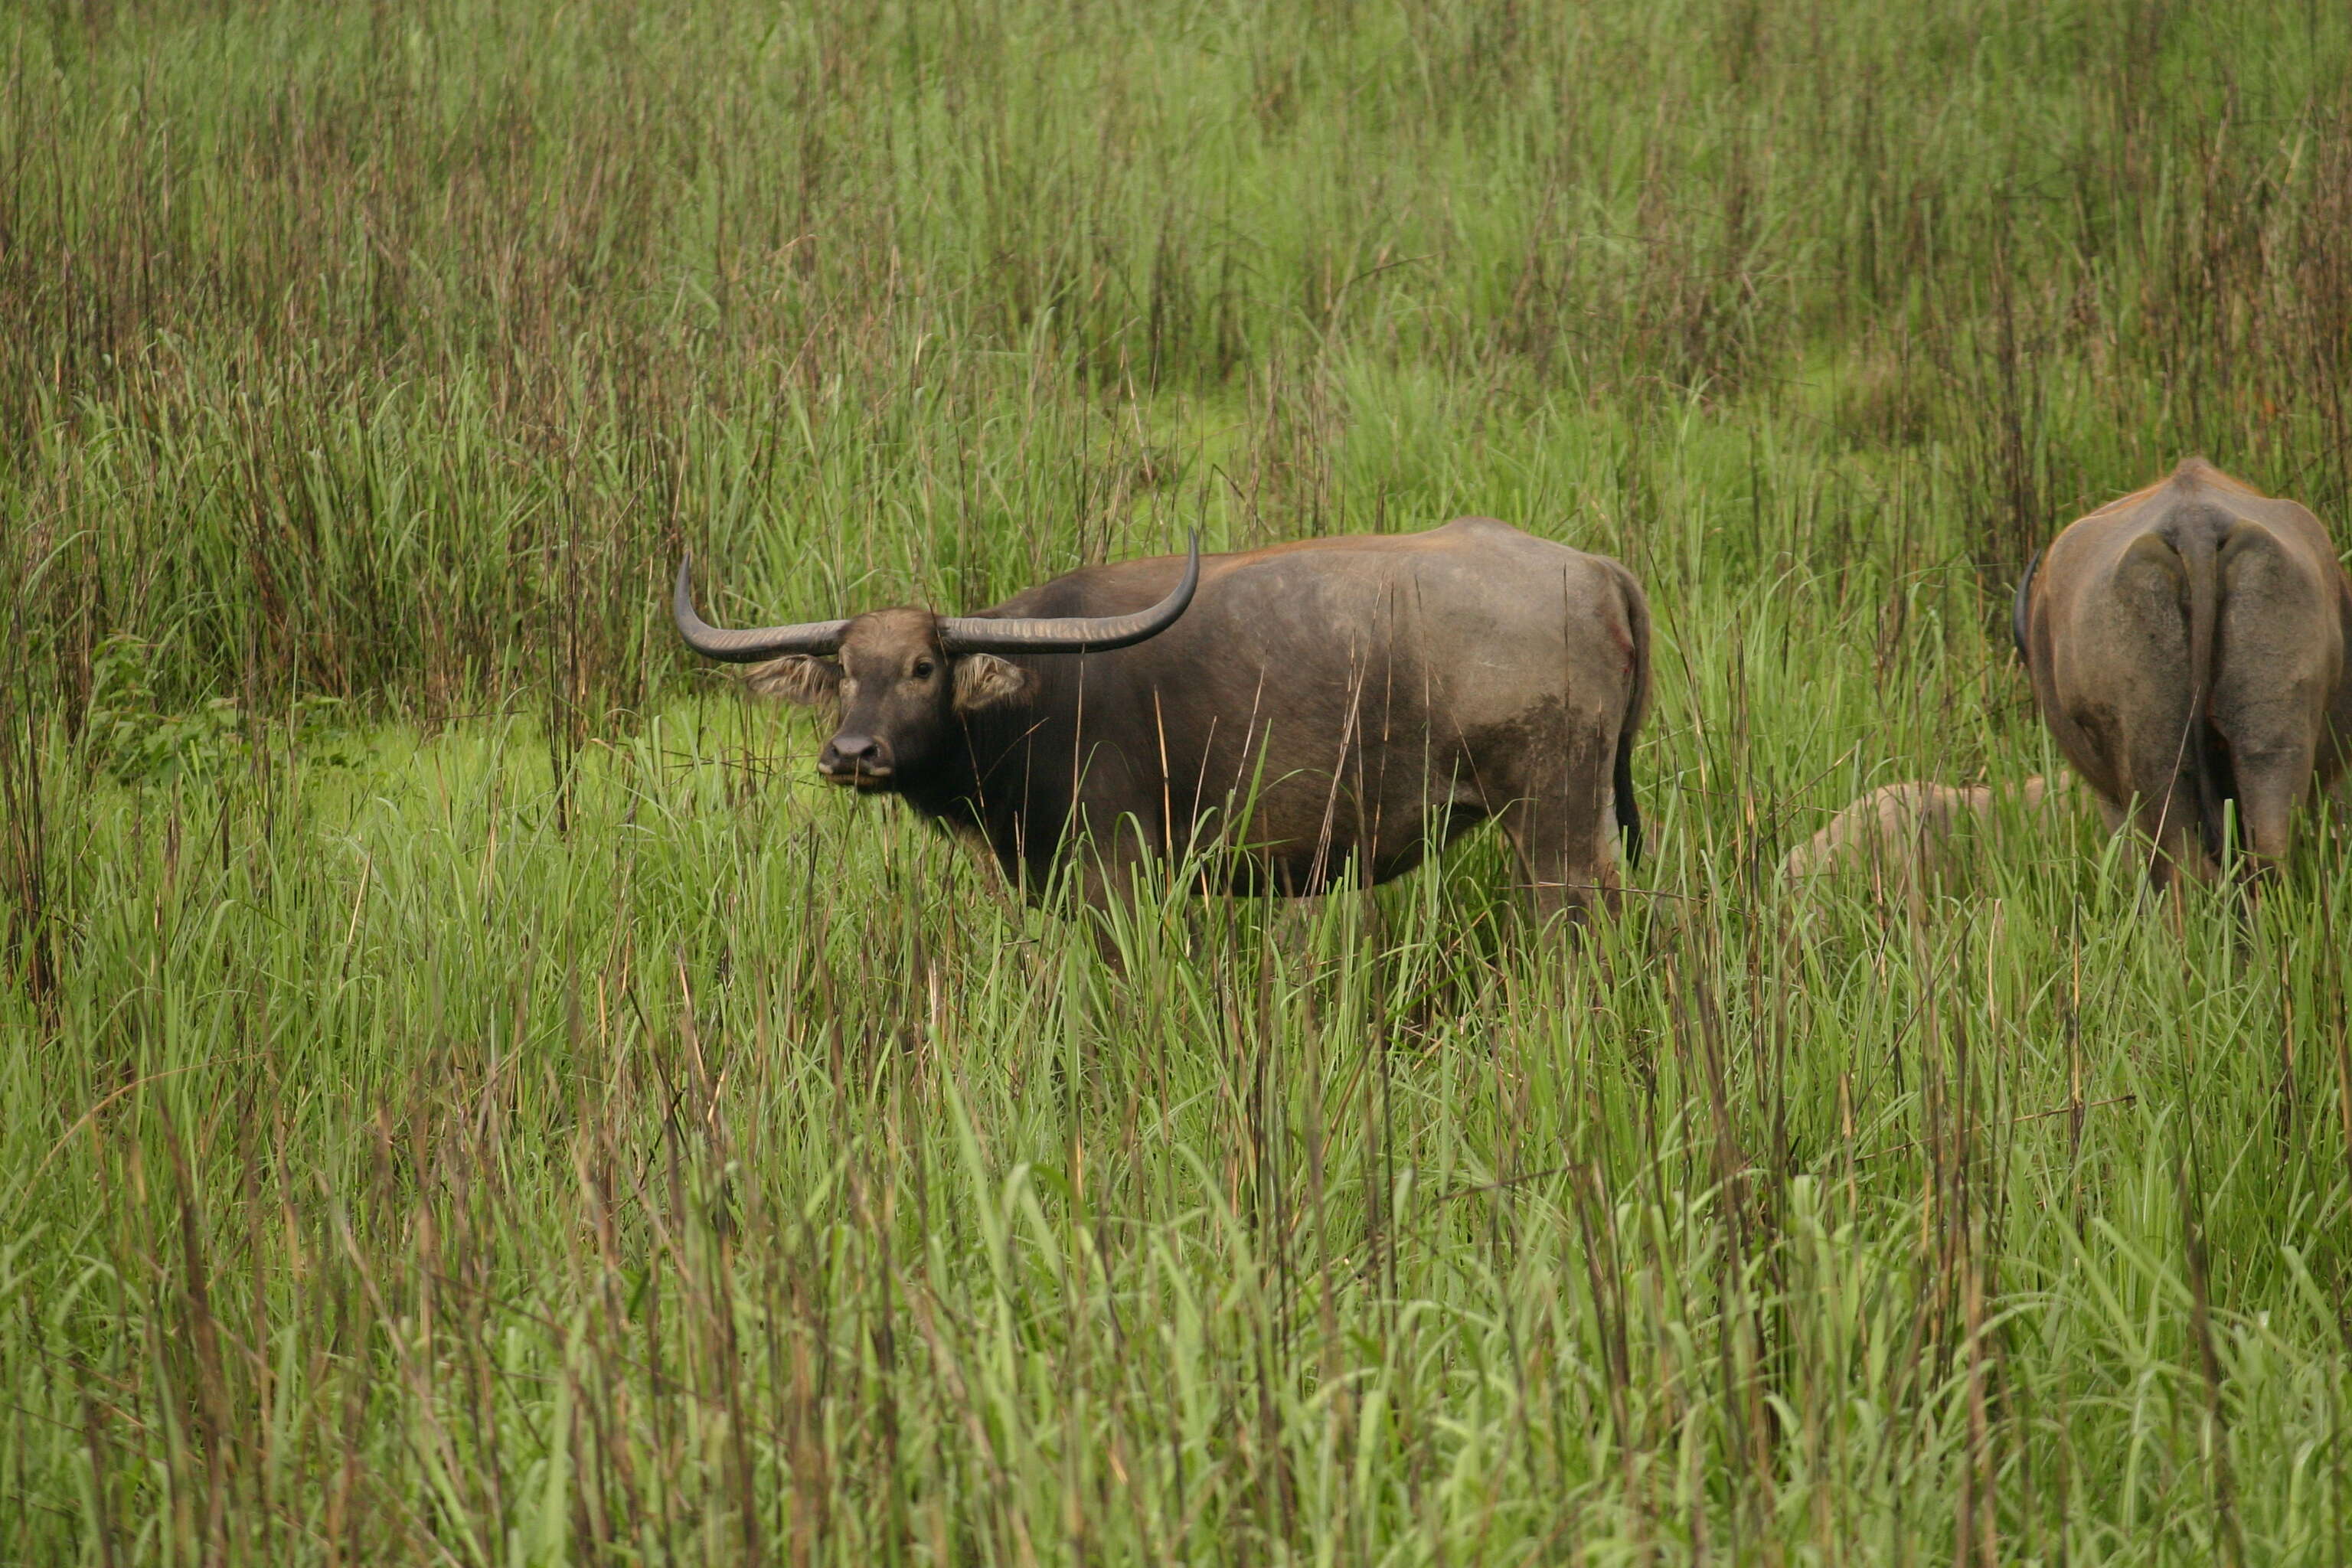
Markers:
470,1096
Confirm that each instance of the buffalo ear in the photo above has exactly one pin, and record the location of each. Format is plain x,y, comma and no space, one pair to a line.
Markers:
983,680
797,677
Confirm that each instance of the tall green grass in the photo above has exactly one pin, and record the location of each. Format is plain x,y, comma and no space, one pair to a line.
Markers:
466,1094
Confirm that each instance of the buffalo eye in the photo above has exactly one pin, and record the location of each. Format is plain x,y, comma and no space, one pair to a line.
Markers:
923,668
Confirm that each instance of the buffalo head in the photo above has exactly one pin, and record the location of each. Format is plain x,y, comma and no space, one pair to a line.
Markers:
900,678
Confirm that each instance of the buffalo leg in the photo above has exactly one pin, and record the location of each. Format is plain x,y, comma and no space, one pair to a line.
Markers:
2114,818
1561,837
2270,788
2267,690
1114,867
1112,873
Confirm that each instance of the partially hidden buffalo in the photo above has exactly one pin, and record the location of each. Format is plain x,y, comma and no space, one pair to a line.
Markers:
1296,710
1904,835
2187,644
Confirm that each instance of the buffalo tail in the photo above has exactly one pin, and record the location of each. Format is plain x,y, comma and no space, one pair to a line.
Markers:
1637,702
2201,560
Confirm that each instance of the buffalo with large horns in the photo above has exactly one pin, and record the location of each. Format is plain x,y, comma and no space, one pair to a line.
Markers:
1297,709
2187,649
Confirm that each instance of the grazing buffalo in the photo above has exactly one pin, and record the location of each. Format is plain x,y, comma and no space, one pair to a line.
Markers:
1299,709
1902,832
2187,644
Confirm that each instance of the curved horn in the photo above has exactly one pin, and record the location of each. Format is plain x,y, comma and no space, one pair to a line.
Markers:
2020,605
748,646
1072,634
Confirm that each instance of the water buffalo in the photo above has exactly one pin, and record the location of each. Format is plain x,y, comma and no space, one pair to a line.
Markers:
2187,644
1299,709
1903,831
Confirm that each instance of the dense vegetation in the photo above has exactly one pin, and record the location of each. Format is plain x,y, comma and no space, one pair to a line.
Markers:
467,1095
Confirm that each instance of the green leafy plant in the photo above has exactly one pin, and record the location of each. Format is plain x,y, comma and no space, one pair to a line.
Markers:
133,741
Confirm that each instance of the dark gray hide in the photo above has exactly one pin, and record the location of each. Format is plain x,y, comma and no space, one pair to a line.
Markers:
1326,703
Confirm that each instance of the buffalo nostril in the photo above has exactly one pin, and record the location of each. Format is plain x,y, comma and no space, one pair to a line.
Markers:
855,754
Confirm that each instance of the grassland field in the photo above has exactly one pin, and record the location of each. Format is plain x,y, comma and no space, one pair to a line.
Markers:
469,1097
